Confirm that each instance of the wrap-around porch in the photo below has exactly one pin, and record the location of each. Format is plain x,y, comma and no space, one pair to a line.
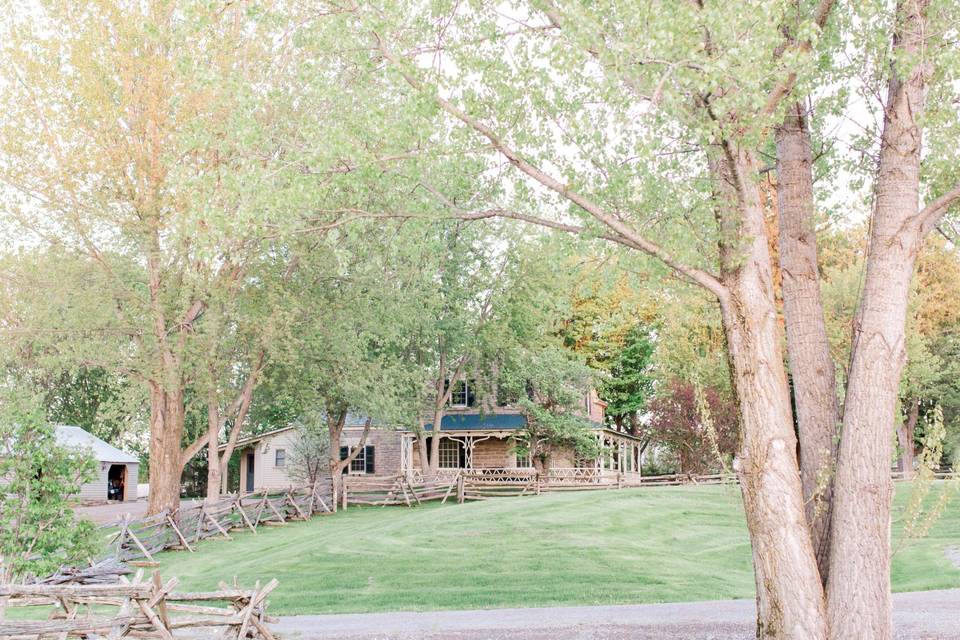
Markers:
490,452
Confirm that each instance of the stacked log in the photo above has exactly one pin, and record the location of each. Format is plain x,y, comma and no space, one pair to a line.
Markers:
143,608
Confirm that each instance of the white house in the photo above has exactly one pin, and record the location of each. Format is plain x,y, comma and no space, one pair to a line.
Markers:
117,470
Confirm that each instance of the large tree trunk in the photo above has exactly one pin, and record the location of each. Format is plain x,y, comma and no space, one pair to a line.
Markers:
435,435
335,423
808,348
166,431
905,439
790,601
238,410
859,586
213,455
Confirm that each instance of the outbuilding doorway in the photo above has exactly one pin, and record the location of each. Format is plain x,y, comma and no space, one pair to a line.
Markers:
250,471
116,482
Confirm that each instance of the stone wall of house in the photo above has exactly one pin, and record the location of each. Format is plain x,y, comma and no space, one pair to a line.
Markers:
494,453
563,458
386,447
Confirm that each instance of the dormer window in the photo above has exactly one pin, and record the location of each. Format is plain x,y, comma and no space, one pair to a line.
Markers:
463,395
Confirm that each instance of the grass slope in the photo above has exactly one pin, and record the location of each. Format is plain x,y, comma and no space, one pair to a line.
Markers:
641,545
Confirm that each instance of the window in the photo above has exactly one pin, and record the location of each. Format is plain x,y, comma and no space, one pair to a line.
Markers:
463,394
450,454
524,462
280,459
458,397
359,464
363,463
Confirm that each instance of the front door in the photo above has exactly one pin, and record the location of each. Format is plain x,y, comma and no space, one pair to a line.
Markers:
250,458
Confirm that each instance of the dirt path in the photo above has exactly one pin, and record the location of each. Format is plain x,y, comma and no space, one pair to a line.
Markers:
924,615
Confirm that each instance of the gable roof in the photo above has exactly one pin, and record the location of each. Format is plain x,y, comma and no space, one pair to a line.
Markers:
242,442
352,421
75,437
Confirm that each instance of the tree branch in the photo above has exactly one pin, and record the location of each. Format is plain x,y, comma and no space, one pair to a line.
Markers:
703,278
351,456
239,407
931,214
783,88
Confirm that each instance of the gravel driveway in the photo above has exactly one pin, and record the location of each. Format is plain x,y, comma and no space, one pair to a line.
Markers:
924,615
113,511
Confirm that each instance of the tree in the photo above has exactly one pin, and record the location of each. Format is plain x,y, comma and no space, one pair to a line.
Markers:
630,384
151,208
310,456
717,83
38,529
548,384
700,432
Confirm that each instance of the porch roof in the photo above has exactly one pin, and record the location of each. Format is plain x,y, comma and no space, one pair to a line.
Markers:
476,421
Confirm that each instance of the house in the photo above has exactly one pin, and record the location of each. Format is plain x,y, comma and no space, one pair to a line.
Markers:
485,439
117,470
266,459
471,438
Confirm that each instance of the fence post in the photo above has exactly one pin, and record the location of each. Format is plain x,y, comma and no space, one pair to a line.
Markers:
343,494
619,479
537,477
460,489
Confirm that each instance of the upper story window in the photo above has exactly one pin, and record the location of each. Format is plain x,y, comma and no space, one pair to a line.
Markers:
280,458
463,394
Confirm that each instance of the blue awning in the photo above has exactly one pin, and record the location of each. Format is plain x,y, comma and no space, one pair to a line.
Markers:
475,421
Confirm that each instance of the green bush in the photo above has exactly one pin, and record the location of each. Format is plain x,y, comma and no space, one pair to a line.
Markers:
38,529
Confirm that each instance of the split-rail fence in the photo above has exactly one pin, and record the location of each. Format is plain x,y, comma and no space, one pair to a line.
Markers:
139,540
137,608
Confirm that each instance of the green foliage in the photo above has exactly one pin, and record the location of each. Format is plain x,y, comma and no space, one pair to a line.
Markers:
38,529
91,398
919,515
550,384
630,384
310,456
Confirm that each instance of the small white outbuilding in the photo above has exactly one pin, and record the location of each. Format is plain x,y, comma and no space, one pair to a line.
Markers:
117,470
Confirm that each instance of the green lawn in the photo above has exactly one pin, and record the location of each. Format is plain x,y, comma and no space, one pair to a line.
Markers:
639,545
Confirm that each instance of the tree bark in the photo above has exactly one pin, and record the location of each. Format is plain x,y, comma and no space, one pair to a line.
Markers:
238,409
808,347
790,602
859,583
166,431
905,439
634,424
213,442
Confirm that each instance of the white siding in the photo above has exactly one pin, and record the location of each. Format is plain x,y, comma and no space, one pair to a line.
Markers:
96,491
133,475
266,474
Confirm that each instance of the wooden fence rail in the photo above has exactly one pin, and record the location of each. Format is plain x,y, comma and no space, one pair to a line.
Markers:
138,540
142,608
